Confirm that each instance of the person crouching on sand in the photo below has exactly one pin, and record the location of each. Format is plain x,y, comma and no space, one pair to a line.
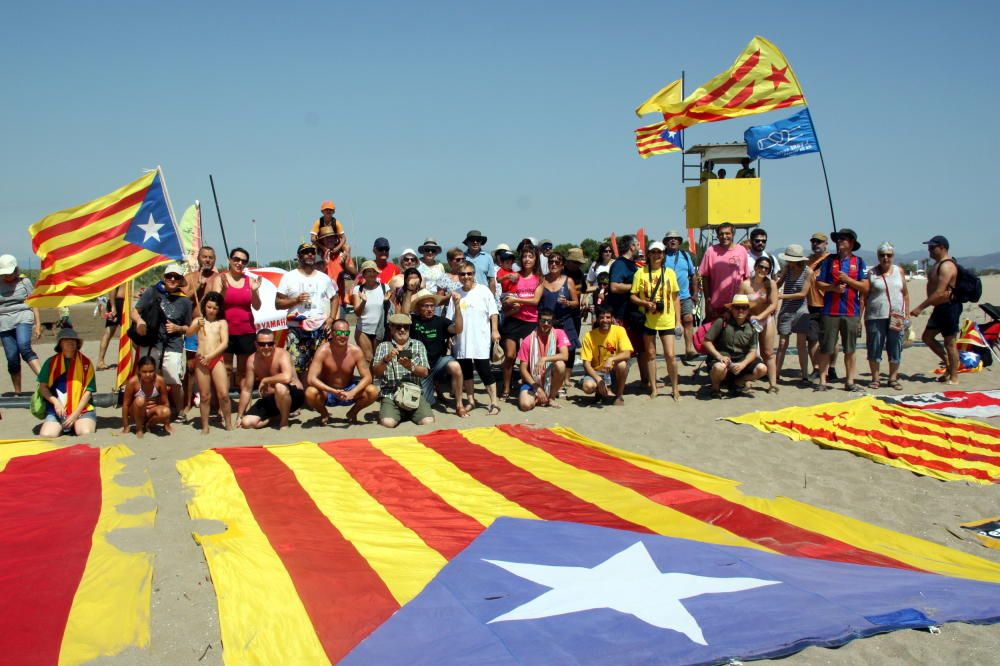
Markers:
145,400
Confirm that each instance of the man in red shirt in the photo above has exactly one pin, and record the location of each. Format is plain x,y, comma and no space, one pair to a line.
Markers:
386,269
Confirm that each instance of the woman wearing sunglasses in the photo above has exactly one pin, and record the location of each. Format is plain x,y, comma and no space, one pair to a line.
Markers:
480,330
887,309
763,294
240,295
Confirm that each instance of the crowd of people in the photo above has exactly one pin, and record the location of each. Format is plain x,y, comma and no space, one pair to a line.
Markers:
425,327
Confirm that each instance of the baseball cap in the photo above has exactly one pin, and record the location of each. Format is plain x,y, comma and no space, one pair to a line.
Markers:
657,245
327,205
938,240
381,243
174,269
305,246
819,237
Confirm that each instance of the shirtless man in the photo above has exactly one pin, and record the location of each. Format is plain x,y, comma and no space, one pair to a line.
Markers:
270,369
947,313
330,380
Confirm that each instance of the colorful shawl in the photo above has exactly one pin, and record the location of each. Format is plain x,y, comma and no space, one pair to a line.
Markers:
539,370
79,378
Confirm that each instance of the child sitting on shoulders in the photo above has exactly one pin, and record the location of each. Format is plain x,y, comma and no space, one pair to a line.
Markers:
145,400
213,338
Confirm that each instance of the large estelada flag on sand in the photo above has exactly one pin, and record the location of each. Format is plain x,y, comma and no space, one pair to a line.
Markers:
539,592
88,250
760,80
67,595
325,542
943,447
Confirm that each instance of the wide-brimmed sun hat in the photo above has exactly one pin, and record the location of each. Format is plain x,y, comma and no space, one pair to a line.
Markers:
429,244
739,299
474,235
576,254
68,334
793,253
369,265
846,234
8,264
423,295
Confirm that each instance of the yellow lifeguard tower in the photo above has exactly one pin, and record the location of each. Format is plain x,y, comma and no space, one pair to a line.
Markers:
716,200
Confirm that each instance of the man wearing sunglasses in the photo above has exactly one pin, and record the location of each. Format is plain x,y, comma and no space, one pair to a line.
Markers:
176,310
331,381
269,369
731,347
947,313
401,360
310,297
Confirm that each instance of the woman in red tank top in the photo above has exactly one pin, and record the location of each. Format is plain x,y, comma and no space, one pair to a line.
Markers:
240,292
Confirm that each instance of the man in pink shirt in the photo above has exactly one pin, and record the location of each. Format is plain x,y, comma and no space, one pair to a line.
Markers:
543,355
722,269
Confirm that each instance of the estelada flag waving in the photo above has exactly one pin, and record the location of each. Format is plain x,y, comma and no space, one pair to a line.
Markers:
88,250
760,80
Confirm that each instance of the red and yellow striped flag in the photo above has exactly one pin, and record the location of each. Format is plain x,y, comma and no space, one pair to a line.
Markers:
324,542
760,80
91,249
940,446
67,595
126,353
657,139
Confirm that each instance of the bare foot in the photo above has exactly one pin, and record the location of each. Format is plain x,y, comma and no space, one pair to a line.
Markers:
168,428
205,430
139,432
553,404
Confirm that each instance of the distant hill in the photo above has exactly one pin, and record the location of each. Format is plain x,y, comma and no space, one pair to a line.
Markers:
979,263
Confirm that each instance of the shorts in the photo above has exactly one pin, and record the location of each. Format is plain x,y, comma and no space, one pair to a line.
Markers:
794,321
50,417
944,319
813,331
388,409
846,327
657,332
241,345
173,366
267,408
687,306
516,329
333,401
609,381
191,343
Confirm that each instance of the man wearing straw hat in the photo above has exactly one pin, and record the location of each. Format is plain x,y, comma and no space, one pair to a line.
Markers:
435,332
731,347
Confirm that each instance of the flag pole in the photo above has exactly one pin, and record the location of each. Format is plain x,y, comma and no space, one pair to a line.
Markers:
256,246
219,214
822,162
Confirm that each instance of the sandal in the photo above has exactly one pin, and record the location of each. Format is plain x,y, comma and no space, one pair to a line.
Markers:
895,384
853,388
772,389
715,394
494,410
874,384
822,387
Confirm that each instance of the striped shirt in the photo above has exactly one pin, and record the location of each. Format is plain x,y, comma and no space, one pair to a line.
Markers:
847,303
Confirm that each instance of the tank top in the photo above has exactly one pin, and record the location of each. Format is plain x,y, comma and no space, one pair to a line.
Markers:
237,301
550,300
525,288
793,286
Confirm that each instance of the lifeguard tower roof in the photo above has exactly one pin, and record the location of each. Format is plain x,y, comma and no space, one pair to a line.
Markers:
720,153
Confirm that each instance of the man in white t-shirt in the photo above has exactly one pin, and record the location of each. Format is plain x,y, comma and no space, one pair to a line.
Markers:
310,297
758,243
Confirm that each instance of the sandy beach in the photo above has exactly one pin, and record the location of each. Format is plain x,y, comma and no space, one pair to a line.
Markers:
185,624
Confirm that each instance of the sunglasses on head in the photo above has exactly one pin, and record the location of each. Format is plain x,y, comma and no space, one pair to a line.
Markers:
265,344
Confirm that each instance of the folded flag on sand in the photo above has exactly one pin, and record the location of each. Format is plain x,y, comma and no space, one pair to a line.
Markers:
533,592
91,249
979,404
325,542
945,448
67,596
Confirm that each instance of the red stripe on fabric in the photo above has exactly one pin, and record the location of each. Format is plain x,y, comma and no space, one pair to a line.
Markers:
741,96
768,531
440,525
78,245
111,258
684,120
733,79
74,225
330,576
900,424
836,436
956,400
544,499
103,285
49,506
940,423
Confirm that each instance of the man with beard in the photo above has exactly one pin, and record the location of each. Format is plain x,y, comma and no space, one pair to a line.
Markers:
195,286
331,381
168,350
269,369
605,354
401,360
435,332
312,303
724,266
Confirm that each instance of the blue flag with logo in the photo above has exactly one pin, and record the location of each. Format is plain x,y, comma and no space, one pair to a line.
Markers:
794,135
545,592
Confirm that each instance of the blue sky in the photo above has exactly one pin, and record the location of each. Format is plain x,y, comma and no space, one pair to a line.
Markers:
514,118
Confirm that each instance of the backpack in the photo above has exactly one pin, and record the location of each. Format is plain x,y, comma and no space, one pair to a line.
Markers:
968,287
152,313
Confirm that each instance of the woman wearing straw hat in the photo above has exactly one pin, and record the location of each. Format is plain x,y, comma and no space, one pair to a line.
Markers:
66,382
793,317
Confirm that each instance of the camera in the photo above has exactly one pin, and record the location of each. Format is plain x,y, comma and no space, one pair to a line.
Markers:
659,306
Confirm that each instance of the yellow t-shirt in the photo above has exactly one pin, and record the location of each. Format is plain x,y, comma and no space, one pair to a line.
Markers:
598,347
643,284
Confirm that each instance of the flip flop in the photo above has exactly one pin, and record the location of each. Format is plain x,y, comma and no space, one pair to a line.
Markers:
874,384
494,410
895,384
